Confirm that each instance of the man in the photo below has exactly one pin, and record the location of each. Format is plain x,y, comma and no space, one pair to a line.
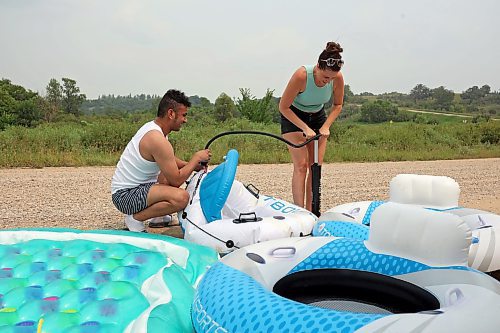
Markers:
148,175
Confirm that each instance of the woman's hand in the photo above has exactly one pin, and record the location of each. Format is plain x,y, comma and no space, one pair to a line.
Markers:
309,133
325,132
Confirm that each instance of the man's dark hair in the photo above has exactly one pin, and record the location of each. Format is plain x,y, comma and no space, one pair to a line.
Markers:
171,100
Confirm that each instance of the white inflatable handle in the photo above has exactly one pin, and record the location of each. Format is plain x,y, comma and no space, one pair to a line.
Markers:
449,301
481,222
284,252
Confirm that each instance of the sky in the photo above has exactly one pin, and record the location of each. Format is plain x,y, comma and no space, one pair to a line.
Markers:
206,48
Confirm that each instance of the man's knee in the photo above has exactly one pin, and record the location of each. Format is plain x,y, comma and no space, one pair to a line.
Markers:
175,203
179,199
183,199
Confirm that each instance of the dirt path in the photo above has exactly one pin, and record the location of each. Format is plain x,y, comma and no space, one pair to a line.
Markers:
446,114
80,197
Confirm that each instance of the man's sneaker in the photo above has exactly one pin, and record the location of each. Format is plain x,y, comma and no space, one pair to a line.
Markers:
160,222
133,224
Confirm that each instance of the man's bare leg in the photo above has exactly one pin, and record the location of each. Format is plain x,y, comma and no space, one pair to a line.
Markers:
162,200
165,220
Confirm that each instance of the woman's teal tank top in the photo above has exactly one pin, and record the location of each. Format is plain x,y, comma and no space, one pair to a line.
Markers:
313,97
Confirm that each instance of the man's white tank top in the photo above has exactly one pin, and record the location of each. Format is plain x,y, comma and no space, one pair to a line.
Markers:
132,169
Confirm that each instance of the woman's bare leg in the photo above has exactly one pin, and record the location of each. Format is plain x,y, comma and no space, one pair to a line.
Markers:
300,167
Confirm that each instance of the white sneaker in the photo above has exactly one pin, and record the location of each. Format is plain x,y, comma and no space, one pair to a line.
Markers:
160,221
133,224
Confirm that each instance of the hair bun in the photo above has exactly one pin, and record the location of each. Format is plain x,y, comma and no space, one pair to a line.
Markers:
333,47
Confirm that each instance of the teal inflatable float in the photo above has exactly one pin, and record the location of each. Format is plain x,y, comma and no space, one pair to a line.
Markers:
97,281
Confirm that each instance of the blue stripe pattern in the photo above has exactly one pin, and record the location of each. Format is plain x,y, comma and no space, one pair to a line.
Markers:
228,300
369,211
353,254
341,229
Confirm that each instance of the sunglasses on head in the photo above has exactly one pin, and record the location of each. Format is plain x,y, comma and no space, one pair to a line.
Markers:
333,61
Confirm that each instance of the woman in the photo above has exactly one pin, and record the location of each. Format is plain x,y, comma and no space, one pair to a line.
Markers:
302,108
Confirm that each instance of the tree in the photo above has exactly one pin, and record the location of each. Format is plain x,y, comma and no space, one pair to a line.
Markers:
54,97
472,94
200,101
443,98
263,110
485,90
18,106
347,93
378,111
72,99
475,93
224,107
205,102
420,92
7,105
28,112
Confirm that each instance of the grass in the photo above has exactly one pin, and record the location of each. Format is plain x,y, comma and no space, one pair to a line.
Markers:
100,141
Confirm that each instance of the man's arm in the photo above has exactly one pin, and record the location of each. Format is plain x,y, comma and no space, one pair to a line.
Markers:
153,146
180,163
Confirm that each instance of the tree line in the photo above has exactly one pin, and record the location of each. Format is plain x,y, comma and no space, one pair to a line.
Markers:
21,106
63,101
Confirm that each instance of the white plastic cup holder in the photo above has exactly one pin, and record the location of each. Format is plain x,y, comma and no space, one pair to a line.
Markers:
453,296
284,252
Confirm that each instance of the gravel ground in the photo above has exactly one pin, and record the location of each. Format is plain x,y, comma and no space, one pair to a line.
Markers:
80,197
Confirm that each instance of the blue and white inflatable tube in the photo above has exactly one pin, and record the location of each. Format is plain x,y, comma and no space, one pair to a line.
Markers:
436,193
328,284
223,212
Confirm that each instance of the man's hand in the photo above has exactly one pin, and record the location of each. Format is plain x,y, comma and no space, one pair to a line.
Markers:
202,156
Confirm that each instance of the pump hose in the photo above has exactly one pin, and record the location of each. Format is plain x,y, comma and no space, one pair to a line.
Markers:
316,137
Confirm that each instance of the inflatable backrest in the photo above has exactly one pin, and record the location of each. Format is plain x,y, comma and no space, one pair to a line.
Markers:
240,200
430,237
216,185
430,191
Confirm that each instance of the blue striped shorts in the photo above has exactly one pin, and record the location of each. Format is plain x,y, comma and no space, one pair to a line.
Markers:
132,200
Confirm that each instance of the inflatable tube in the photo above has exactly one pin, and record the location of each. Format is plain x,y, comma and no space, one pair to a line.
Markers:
225,214
435,193
328,284
63,280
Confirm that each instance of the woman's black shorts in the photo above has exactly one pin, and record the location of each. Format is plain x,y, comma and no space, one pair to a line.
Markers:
313,120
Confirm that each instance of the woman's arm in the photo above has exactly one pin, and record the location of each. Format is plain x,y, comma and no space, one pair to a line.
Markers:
338,101
294,87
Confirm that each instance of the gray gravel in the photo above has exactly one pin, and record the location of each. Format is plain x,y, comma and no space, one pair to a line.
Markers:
80,197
